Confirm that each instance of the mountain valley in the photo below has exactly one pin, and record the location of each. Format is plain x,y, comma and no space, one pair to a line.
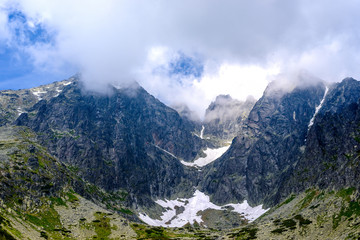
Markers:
77,164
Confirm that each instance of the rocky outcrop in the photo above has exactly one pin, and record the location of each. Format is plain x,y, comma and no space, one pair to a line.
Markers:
126,139
269,143
331,156
225,116
27,172
15,102
30,175
38,193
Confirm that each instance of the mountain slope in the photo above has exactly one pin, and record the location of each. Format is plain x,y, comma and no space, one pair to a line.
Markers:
332,144
123,140
269,143
15,102
78,158
37,191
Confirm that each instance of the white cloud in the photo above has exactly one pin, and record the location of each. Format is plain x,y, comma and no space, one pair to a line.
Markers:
239,81
241,42
3,29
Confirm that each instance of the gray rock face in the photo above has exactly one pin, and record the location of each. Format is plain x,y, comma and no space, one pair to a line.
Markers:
125,140
268,144
27,171
331,157
15,102
225,116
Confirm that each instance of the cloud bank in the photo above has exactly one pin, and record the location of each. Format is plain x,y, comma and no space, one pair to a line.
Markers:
189,51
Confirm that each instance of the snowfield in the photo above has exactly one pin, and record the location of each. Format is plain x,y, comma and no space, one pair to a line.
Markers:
211,155
199,202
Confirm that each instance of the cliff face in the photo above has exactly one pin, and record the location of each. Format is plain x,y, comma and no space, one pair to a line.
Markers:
28,173
225,116
269,143
15,102
331,157
124,140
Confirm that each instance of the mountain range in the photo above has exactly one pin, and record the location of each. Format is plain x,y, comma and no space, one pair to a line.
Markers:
77,164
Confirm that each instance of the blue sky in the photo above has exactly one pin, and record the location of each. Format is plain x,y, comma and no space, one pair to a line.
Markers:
186,66
17,69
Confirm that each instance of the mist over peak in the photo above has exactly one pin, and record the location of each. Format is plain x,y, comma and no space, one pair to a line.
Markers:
285,83
226,108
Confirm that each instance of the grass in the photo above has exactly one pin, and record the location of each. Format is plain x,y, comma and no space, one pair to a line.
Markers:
289,223
73,169
278,231
308,198
147,232
4,235
287,201
48,219
102,226
302,221
246,233
353,208
126,211
144,232
71,197
345,193
57,201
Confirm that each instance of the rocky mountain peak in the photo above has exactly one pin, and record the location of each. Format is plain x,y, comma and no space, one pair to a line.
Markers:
269,142
119,140
15,102
287,83
224,116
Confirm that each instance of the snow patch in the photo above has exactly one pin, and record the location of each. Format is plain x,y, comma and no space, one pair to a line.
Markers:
211,155
38,94
317,109
67,83
20,111
192,206
250,213
165,151
202,132
58,90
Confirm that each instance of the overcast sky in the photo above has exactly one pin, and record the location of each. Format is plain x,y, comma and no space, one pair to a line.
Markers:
180,51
